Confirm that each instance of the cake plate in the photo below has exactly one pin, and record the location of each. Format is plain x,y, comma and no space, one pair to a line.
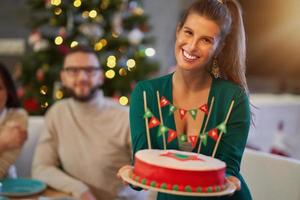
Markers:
126,176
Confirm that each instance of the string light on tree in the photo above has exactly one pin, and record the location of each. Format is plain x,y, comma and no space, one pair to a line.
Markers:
77,3
93,14
44,105
111,61
58,40
57,11
150,52
74,44
117,28
59,94
122,72
85,14
110,74
55,2
115,35
98,46
130,64
44,90
123,100
103,42
135,36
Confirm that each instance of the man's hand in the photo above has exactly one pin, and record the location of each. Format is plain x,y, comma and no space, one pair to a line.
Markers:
87,196
12,136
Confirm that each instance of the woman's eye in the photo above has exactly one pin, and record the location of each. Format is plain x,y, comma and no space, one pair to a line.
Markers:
188,32
206,41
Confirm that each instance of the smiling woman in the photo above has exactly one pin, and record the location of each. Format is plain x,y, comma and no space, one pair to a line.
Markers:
210,70
197,41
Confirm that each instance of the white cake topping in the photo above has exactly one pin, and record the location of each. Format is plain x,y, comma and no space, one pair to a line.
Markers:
180,160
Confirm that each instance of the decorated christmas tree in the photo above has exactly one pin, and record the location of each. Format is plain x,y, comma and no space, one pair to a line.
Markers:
117,30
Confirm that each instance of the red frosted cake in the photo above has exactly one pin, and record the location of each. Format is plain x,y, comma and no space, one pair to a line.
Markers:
179,171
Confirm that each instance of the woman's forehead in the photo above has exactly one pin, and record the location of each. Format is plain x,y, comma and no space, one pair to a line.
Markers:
202,25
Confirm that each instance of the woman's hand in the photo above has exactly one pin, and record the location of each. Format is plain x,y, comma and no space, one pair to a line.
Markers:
125,167
12,136
235,181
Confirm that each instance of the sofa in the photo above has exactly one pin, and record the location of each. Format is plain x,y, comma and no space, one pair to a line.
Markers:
268,176
23,163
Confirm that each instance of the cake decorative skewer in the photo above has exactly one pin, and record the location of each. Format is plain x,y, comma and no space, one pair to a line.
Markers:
188,173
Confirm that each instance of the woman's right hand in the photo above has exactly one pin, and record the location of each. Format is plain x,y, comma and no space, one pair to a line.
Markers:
12,136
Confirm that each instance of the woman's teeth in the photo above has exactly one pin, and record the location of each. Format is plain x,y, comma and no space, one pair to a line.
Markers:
189,56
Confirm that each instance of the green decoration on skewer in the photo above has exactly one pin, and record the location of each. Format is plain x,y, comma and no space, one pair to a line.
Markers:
221,134
162,130
222,127
148,113
206,122
146,121
161,119
203,138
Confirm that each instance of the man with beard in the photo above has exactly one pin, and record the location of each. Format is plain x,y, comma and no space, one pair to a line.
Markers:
86,137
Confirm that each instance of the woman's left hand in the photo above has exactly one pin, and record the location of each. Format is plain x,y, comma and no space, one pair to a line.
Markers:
125,167
235,181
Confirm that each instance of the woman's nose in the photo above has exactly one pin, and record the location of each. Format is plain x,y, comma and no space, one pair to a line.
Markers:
192,45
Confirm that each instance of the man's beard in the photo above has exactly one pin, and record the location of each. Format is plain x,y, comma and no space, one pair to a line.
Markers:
71,93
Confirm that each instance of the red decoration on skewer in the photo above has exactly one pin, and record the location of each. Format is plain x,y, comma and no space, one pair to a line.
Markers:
213,134
171,135
164,102
154,122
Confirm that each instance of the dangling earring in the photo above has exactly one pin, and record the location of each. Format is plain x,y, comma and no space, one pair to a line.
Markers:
215,70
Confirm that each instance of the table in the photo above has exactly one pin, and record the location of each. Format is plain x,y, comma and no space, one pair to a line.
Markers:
49,192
